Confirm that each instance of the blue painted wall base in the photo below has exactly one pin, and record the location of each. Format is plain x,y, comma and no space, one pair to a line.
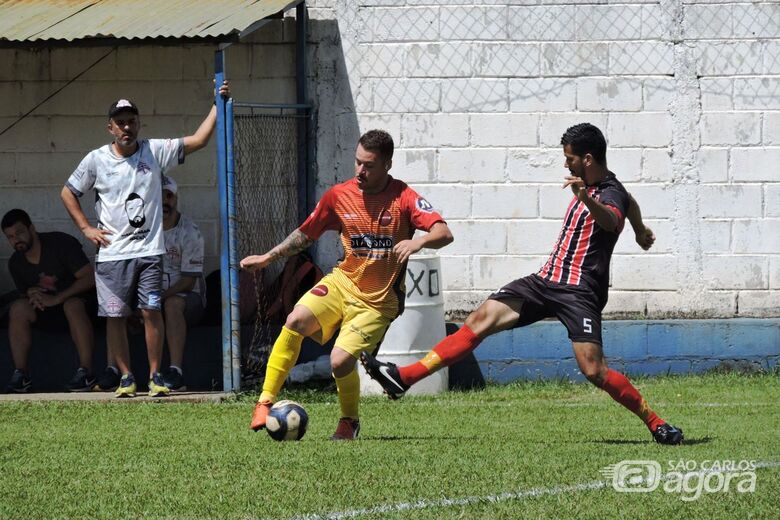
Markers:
539,351
653,347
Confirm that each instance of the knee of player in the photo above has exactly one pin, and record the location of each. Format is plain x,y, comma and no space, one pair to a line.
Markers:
173,305
481,320
152,316
341,362
73,305
21,310
296,322
595,373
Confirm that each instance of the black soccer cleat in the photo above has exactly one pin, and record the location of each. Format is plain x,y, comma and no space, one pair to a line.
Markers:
668,434
386,374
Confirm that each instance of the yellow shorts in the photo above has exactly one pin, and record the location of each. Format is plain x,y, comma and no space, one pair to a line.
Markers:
360,327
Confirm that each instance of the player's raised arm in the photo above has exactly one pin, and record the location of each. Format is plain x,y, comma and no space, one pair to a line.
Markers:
437,237
196,141
644,235
295,242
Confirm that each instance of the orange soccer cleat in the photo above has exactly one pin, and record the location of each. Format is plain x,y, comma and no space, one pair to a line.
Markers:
259,415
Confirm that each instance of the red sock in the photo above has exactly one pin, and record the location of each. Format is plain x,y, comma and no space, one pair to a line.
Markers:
450,350
621,390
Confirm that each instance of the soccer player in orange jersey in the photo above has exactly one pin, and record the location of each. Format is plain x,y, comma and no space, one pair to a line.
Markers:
376,216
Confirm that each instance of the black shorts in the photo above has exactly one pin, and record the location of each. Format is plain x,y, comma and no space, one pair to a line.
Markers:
53,319
576,307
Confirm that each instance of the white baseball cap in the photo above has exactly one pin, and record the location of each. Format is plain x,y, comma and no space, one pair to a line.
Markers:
169,184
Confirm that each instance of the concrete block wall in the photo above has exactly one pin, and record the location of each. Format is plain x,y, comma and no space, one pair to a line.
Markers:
172,86
478,92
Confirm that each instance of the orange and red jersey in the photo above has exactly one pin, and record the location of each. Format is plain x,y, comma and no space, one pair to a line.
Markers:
370,225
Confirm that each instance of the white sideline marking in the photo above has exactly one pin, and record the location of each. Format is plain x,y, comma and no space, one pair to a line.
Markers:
503,497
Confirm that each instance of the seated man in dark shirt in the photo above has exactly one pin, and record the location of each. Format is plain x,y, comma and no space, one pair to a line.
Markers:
55,280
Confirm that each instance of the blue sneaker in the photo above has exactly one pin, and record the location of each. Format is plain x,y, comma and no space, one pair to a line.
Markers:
108,380
126,386
82,381
174,379
19,384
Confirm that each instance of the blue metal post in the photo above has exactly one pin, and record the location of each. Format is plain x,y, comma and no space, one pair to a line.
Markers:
235,315
227,320
305,185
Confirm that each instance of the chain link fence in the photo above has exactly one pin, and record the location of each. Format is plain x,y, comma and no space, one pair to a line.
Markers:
266,190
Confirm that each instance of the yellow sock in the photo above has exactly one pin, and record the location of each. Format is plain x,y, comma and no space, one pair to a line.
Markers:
282,359
349,394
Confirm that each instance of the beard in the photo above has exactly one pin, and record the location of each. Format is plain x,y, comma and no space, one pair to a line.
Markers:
137,221
23,247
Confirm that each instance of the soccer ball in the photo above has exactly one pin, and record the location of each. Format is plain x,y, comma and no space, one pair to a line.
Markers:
287,421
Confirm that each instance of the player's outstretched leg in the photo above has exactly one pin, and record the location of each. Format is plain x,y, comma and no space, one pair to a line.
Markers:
591,361
283,356
395,381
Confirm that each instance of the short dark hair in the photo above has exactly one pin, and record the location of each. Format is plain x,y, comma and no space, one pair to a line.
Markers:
585,138
378,141
14,216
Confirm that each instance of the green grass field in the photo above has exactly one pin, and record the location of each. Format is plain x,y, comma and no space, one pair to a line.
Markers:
529,450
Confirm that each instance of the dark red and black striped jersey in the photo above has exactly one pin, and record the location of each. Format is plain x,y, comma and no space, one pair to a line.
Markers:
583,249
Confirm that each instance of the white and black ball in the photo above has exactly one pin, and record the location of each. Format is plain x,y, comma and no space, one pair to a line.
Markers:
287,421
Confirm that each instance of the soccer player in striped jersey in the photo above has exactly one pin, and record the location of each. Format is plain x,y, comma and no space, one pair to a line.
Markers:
376,216
571,286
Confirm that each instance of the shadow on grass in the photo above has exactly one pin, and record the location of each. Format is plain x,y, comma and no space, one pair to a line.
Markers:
686,442
413,438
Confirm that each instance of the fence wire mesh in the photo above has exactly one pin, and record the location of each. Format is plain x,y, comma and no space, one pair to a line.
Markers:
266,189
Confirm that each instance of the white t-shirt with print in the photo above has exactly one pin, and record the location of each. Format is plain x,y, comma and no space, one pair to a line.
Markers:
184,255
129,195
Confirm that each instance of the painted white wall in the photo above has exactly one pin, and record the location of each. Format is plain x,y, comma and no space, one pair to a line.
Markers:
478,92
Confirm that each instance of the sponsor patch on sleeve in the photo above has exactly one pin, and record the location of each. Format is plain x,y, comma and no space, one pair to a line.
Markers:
424,205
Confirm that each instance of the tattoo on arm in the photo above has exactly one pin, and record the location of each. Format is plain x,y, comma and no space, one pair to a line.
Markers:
295,242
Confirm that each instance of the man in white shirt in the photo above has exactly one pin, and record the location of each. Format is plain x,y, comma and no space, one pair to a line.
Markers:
127,178
184,296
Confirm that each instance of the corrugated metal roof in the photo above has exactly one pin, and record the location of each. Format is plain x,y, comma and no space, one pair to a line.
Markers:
36,20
